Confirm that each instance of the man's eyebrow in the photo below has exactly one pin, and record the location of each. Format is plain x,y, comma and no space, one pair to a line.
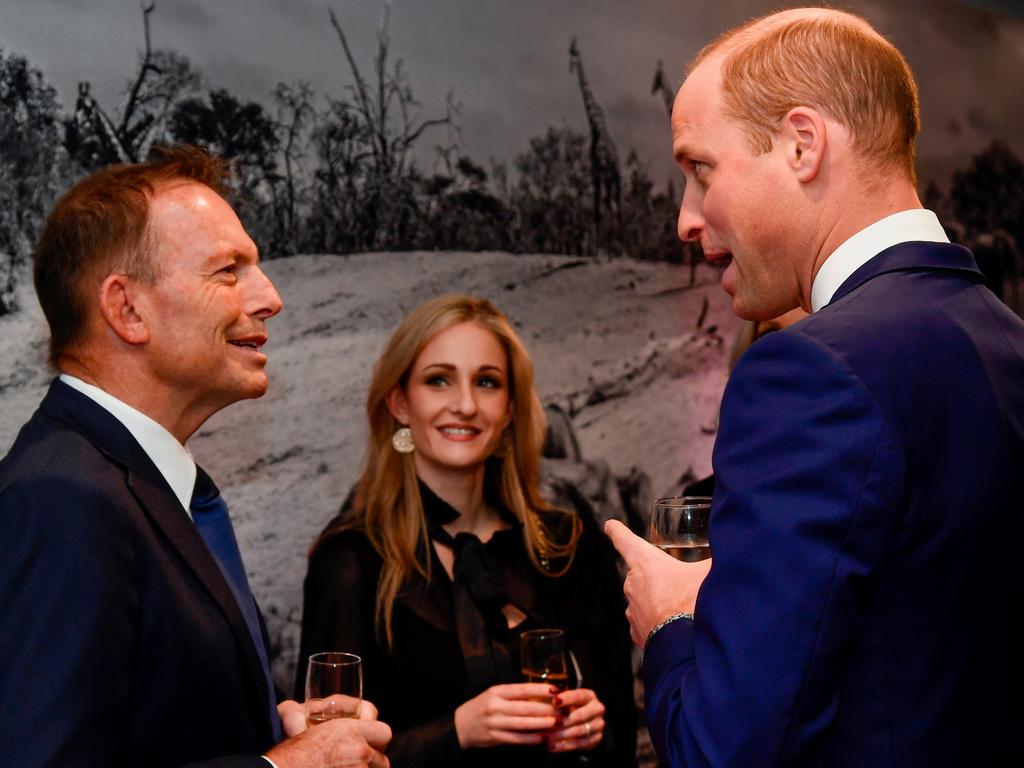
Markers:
682,151
682,157
233,255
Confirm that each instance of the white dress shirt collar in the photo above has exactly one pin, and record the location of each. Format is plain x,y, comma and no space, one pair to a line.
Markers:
916,225
173,459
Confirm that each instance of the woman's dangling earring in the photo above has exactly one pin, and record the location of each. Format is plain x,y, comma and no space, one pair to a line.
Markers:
402,440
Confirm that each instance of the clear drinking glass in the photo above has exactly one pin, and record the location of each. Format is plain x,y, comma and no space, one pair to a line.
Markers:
679,526
542,652
334,686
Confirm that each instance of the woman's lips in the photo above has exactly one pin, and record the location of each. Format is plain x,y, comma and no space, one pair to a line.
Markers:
458,433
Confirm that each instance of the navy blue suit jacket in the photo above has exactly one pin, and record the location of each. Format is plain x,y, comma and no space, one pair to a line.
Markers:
864,597
121,642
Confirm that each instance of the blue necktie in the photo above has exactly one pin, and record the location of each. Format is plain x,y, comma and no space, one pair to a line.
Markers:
211,518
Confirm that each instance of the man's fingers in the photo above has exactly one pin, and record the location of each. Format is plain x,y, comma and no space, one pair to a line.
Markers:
367,711
629,545
379,760
293,717
633,633
376,733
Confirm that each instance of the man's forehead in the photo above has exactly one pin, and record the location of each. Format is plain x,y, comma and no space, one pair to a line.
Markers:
187,215
696,104
188,206
183,192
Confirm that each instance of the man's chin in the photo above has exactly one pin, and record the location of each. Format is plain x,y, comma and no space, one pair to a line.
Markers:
259,390
742,308
253,387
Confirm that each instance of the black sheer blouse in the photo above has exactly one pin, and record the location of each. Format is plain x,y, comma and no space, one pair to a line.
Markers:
451,641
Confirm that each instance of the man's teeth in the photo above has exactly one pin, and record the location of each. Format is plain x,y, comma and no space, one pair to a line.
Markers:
458,431
250,344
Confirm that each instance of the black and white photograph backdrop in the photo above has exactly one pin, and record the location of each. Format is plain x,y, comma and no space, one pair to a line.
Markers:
387,152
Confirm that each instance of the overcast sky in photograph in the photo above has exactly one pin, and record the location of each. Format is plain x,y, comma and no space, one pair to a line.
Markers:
506,61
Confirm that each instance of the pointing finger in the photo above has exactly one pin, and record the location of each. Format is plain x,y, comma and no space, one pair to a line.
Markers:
628,544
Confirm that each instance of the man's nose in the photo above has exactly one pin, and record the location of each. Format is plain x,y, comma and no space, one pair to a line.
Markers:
265,297
691,222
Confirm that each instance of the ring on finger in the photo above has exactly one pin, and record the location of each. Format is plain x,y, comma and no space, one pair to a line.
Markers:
586,728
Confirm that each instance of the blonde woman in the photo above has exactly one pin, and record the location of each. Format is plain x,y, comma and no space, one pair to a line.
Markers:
448,554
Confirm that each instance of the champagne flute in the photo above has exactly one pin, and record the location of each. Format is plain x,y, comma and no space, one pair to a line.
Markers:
542,652
334,686
679,526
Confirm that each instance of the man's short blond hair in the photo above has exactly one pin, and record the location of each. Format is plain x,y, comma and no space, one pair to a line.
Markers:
832,61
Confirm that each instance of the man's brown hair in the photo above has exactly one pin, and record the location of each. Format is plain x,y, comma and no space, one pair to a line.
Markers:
100,227
832,61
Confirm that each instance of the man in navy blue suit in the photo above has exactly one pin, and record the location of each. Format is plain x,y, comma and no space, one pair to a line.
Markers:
862,604
130,636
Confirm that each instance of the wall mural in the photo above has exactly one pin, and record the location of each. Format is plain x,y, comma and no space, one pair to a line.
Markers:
384,153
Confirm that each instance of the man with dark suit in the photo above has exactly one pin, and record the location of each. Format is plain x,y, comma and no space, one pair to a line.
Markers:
130,636
862,603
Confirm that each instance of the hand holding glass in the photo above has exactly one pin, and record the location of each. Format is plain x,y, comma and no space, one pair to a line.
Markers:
334,686
542,652
679,526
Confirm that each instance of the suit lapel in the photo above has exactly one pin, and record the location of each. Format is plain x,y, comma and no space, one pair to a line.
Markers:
917,256
162,508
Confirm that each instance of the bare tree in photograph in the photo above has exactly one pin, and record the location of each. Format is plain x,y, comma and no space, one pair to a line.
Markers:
30,166
94,138
342,152
387,119
294,112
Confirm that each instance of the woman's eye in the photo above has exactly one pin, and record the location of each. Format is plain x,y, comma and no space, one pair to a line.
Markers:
489,383
436,381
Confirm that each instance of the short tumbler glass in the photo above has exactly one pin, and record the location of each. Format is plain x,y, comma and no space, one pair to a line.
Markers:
679,526
334,686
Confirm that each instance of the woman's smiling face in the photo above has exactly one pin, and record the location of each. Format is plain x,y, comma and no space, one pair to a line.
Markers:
456,400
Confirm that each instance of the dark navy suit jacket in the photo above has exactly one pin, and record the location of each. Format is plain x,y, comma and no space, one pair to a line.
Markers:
121,644
864,599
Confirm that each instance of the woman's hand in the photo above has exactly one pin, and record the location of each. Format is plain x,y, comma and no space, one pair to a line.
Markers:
584,727
519,713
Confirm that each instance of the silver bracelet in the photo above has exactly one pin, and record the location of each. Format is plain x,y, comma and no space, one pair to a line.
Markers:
688,615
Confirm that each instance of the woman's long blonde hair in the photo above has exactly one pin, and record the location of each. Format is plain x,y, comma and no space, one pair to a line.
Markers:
387,506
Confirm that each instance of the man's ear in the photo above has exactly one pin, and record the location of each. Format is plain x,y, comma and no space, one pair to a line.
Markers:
398,405
118,295
805,137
